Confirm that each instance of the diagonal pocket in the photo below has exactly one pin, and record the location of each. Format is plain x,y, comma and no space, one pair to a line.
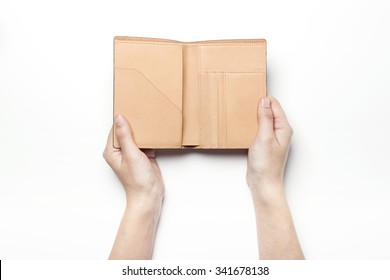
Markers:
155,120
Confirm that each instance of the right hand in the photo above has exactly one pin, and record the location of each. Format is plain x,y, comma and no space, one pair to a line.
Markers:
268,152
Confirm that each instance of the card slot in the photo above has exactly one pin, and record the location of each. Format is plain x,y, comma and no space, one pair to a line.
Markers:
213,110
243,92
229,108
204,110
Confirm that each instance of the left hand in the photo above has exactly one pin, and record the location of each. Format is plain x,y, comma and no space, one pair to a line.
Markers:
137,170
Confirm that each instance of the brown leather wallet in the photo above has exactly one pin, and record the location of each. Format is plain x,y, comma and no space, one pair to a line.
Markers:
189,94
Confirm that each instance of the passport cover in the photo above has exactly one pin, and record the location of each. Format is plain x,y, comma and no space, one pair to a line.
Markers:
201,95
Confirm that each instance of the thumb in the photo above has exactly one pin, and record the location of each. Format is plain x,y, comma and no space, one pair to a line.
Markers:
124,135
266,118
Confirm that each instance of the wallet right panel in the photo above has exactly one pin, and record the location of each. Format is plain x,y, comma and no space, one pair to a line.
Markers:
232,82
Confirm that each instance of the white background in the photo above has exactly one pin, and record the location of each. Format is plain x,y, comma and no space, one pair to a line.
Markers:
278,270
328,64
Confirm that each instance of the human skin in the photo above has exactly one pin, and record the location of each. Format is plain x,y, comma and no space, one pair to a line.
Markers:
267,156
141,178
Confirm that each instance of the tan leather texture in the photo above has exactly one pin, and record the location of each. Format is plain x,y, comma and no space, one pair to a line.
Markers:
198,95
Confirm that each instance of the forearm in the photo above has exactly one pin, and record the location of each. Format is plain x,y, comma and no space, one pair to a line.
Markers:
136,234
277,238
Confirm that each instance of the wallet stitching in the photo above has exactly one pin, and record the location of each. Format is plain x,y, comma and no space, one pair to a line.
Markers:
160,40
254,44
227,72
200,96
226,109
225,103
218,109
235,72
210,114
210,122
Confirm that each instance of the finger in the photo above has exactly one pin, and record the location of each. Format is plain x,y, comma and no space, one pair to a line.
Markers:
155,166
124,135
281,124
109,145
150,153
278,112
266,118
110,153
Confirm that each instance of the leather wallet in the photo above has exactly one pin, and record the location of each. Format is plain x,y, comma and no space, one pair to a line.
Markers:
201,95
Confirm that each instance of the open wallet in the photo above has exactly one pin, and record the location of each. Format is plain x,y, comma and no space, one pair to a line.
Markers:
197,95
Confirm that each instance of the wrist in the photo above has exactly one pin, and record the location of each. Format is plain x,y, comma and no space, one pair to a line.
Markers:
267,193
144,194
144,204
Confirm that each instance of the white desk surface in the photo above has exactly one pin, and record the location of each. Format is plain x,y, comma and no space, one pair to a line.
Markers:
328,64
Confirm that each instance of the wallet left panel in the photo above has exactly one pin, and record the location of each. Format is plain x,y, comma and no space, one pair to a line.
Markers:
148,91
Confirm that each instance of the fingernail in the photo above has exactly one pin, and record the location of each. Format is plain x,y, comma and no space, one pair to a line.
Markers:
118,120
265,102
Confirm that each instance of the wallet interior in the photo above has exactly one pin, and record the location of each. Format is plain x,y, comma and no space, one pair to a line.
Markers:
189,94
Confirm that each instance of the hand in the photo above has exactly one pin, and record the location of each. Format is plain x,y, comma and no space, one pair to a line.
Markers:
138,171
268,152
267,155
141,178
